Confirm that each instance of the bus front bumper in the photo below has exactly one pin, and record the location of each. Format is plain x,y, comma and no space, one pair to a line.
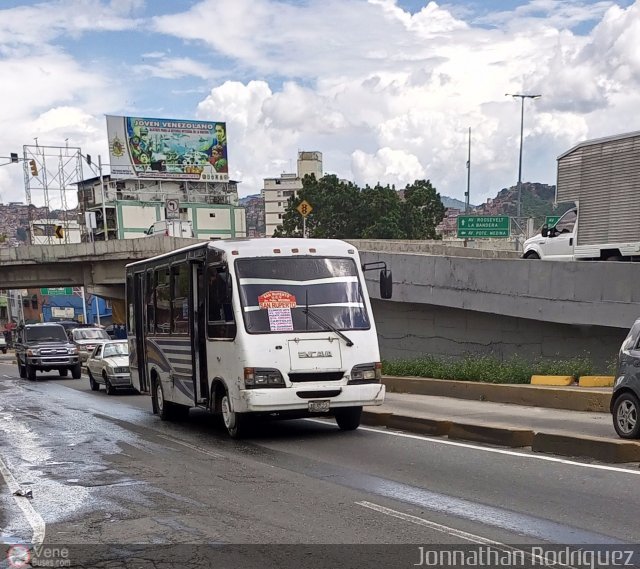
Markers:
298,398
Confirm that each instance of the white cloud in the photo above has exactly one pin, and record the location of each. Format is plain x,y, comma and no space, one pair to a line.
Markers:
386,166
386,95
43,22
174,68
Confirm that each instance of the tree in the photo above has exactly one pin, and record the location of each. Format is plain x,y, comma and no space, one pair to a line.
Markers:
383,213
341,210
422,210
335,212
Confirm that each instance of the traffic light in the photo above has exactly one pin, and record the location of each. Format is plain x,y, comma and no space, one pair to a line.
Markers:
14,158
89,159
34,167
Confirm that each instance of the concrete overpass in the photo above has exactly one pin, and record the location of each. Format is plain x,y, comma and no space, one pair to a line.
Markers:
447,300
99,267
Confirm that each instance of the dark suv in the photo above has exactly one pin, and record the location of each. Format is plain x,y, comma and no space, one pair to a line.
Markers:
625,401
44,347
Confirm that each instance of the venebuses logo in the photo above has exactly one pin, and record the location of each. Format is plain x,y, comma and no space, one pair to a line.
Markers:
18,556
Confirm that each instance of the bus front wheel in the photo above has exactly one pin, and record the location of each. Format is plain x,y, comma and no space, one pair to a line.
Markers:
348,418
237,424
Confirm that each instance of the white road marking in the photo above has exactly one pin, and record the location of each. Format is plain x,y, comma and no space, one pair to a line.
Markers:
35,520
471,537
532,456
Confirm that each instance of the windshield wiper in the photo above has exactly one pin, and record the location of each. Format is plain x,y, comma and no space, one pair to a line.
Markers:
324,323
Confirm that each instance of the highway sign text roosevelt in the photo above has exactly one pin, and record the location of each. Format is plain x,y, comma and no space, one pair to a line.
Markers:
483,226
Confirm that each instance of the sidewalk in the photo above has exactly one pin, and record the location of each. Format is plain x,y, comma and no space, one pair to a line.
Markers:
588,434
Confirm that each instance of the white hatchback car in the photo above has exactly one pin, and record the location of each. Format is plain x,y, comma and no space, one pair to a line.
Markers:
108,365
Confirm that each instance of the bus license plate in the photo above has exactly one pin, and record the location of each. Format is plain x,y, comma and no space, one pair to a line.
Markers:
319,406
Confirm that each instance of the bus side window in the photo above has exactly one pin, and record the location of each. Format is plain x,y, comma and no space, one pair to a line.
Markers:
150,302
220,318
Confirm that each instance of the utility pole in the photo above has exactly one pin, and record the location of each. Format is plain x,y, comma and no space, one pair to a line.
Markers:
522,98
104,197
467,205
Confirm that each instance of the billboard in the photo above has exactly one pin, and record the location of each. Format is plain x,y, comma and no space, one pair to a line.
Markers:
167,149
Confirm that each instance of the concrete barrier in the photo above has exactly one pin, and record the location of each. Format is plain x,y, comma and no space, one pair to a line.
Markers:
571,398
557,380
502,436
596,381
606,450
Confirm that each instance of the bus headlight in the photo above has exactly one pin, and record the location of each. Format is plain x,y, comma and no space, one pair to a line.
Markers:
255,378
366,373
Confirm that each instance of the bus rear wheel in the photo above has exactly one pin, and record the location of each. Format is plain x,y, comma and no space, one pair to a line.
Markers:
348,418
237,424
167,410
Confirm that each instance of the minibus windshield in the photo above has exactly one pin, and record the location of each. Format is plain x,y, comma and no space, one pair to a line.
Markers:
275,291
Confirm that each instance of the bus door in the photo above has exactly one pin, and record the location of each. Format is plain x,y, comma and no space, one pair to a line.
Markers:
140,369
198,325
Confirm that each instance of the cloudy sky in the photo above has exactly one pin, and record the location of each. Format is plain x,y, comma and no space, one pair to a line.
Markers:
386,89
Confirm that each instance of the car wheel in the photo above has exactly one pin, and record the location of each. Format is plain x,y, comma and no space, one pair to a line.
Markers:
531,255
107,385
237,424
625,416
63,372
76,371
31,373
348,418
95,386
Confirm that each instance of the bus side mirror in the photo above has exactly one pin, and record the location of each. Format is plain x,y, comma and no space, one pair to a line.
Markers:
386,284
544,231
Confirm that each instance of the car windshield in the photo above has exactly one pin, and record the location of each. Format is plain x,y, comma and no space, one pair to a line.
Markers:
90,334
45,334
275,292
120,349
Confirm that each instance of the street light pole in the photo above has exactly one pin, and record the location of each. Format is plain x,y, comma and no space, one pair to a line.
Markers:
522,98
467,196
104,205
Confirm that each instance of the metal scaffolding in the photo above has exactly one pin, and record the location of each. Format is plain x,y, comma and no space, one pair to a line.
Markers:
50,177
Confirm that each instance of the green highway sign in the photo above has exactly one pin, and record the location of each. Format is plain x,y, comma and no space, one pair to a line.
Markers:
551,220
60,291
484,226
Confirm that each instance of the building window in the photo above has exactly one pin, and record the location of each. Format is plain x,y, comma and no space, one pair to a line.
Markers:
288,193
280,216
279,194
212,215
278,182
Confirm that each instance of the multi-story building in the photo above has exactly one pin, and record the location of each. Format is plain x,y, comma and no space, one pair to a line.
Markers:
277,191
132,206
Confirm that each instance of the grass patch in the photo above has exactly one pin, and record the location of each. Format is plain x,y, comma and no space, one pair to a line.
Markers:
488,369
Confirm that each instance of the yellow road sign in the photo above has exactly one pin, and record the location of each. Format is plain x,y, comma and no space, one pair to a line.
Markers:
59,232
304,208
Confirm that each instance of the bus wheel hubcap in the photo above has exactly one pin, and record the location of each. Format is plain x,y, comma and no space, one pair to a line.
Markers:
227,415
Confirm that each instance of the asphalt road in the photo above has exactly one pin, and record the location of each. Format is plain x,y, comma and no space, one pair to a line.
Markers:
104,470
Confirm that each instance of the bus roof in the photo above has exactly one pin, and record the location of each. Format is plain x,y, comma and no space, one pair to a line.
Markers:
267,247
